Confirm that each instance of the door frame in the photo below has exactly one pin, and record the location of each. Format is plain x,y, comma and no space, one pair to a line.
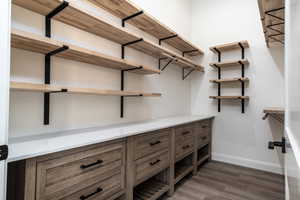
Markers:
5,24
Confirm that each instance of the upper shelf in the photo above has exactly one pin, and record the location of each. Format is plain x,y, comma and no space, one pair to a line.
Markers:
229,63
229,46
35,87
274,110
273,20
40,44
91,23
229,97
124,9
230,80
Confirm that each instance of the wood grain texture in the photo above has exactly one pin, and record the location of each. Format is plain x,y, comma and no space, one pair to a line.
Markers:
147,23
220,181
35,87
232,63
229,46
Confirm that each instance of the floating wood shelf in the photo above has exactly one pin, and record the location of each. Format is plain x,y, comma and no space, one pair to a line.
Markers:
230,80
273,20
91,23
40,44
229,46
275,112
35,87
134,15
150,190
229,63
230,97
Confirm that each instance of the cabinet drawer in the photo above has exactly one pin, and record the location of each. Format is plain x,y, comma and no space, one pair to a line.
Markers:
147,144
150,165
67,173
185,132
203,140
183,148
204,127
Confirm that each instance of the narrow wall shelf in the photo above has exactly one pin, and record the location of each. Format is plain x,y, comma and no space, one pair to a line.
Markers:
134,15
86,21
229,97
44,45
229,63
22,86
277,113
230,80
230,46
273,22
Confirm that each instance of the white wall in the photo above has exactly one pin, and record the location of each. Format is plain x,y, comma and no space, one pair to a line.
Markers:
239,138
77,111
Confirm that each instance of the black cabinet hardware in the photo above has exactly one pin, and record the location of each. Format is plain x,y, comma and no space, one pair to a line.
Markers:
155,162
281,144
186,147
92,194
185,133
204,138
98,162
155,143
3,152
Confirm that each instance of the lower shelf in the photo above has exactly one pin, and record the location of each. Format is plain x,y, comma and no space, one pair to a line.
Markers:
150,190
202,160
182,171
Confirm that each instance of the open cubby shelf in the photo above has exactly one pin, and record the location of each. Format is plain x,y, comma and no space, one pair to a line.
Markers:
32,42
183,167
229,63
229,97
150,190
230,80
137,17
273,20
219,49
35,87
230,46
64,11
277,113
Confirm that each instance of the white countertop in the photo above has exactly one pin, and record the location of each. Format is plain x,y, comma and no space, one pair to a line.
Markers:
29,147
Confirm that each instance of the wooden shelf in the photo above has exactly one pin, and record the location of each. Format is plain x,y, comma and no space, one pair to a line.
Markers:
21,86
147,23
86,21
229,46
181,171
150,190
202,160
230,80
273,20
277,113
229,97
40,44
229,63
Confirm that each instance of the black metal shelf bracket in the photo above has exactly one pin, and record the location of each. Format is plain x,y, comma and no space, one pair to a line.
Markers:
127,44
162,68
186,52
219,77
48,19
3,152
131,16
122,88
167,38
269,12
243,75
185,75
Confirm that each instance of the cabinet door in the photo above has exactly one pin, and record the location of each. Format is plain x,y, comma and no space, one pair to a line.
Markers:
292,123
5,10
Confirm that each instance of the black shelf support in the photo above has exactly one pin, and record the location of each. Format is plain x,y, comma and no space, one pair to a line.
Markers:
243,75
185,52
122,89
269,12
162,68
167,38
127,44
3,152
185,75
130,17
219,77
48,19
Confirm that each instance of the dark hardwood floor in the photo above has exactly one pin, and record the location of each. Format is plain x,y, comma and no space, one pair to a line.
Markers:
220,181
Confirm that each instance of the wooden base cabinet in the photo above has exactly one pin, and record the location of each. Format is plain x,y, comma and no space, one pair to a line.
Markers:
140,167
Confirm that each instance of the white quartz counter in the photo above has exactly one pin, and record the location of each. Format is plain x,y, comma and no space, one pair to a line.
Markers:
29,147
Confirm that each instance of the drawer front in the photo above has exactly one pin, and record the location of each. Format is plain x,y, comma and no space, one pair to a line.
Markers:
184,147
184,133
63,176
203,140
204,127
148,144
151,165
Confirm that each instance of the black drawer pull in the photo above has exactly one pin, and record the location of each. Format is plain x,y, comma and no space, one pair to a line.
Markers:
98,162
155,143
185,133
186,147
204,126
155,162
92,194
204,138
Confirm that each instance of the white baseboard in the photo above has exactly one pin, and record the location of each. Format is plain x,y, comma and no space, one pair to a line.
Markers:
264,166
